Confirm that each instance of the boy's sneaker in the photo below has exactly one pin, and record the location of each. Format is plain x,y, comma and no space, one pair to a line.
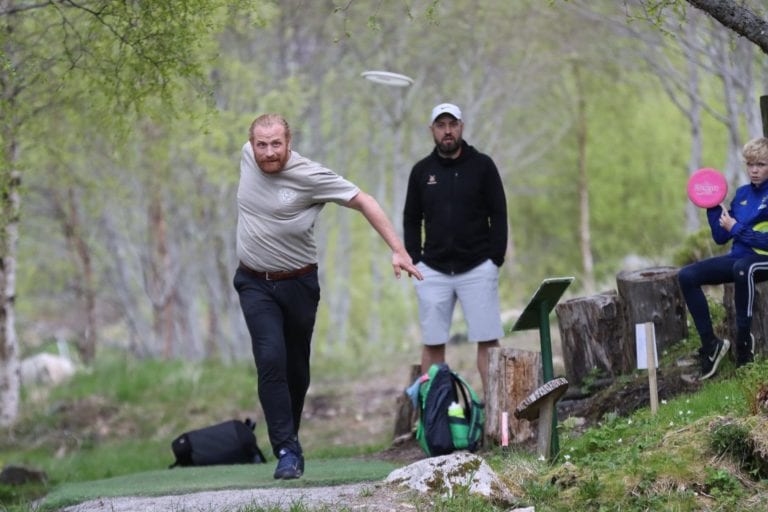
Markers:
709,362
745,352
289,465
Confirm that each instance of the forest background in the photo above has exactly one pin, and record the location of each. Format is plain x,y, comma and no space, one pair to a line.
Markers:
120,193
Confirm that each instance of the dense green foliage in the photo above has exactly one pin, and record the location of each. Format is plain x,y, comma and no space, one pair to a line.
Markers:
140,220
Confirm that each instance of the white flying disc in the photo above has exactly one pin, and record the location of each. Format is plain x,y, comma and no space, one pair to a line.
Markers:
387,78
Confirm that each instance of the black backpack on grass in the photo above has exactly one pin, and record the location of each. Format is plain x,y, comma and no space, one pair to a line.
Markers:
230,442
441,431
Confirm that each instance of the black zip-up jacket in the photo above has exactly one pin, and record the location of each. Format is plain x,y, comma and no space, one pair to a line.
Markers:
461,205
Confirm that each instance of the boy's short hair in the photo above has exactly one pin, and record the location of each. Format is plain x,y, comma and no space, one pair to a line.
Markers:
756,150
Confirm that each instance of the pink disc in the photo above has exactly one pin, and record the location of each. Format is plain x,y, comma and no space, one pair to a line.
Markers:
707,188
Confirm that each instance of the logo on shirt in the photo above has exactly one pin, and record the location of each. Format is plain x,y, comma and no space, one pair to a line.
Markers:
432,180
286,195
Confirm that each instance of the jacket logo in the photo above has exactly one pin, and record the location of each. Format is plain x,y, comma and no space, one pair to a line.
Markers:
286,195
432,180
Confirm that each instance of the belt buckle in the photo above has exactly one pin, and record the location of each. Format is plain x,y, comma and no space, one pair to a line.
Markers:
266,276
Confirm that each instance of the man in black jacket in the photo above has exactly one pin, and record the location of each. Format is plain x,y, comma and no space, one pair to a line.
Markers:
456,196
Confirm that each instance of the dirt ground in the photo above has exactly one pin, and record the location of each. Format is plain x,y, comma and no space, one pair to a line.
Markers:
363,412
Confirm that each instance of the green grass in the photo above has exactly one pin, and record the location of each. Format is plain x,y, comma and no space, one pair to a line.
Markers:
246,476
673,460
120,416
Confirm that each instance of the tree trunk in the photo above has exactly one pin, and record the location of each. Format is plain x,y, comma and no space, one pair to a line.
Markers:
161,282
653,295
10,180
213,328
725,53
10,378
238,341
336,266
759,326
69,216
592,336
340,302
585,236
121,280
692,218
513,374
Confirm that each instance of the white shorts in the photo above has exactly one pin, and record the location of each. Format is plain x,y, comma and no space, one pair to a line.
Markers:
478,292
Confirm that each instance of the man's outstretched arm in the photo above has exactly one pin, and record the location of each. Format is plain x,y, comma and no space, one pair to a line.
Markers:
371,210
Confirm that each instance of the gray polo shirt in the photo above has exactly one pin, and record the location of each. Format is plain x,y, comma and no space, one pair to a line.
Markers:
276,213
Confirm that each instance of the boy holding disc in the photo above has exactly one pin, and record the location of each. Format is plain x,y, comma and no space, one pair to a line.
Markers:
746,224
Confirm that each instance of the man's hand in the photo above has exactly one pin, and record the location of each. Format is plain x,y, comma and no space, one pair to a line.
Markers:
402,261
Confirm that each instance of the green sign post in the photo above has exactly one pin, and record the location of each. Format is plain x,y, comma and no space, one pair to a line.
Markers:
536,315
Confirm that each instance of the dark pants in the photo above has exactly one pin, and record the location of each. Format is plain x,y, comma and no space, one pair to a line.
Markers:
280,316
742,272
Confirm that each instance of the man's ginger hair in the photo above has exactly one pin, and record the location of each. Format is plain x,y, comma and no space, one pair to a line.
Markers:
266,120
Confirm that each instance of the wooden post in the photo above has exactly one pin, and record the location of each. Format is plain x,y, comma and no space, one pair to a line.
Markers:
544,434
650,350
513,374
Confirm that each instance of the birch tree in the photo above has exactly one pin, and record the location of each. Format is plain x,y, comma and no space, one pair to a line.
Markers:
119,53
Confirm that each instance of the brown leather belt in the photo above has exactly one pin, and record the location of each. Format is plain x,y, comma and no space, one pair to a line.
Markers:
279,276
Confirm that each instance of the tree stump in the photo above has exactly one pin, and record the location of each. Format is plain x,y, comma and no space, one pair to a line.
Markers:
592,336
406,414
759,317
513,374
654,295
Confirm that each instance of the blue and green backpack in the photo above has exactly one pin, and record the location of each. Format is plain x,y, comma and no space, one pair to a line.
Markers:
440,431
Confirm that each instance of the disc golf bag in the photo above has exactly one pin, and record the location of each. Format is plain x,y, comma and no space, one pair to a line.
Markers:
230,442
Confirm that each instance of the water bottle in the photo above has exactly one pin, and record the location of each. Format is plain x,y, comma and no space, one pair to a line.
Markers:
455,410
